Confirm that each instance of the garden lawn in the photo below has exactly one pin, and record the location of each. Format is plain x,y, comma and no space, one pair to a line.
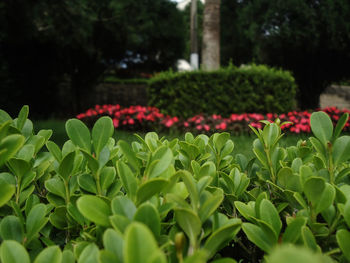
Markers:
243,143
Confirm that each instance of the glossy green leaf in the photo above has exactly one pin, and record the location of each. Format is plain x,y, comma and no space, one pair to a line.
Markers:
22,117
346,212
79,134
321,126
36,220
224,260
341,150
149,189
93,163
293,230
19,167
87,183
296,254
313,189
210,205
288,180
222,235
114,243
90,254
58,218
189,222
190,183
11,228
326,199
95,209
4,116
340,125
269,214
13,252
128,179
309,239
51,254
343,239
55,185
106,256
6,193
54,150
129,154
122,205
101,132
67,256
162,162
66,166
107,176
246,210
148,215
119,222
270,134
139,244
259,237
26,152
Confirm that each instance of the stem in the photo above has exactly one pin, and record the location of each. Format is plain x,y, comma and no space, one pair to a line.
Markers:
98,184
18,189
67,192
272,172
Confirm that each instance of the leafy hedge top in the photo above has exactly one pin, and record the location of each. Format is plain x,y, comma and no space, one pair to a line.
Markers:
98,200
253,88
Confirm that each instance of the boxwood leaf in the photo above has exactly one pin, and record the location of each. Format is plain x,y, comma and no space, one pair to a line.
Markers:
128,179
107,176
66,166
163,158
54,150
269,214
210,205
258,236
346,212
51,254
139,244
189,222
68,256
246,210
22,117
119,222
59,217
326,199
222,235
147,214
55,185
79,134
13,252
293,230
309,239
114,243
90,254
149,189
11,228
224,260
101,132
313,189
6,193
9,146
341,150
321,126
340,125
95,209
106,256
122,205
343,239
36,220
130,155
87,183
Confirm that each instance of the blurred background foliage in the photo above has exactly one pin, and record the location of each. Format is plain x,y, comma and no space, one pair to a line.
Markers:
55,51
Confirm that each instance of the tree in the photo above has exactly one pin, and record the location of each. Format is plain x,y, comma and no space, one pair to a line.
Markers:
211,35
61,49
310,38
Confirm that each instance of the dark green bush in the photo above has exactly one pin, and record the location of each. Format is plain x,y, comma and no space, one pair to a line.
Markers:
229,90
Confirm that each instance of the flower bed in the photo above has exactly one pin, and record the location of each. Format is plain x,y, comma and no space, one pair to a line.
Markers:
140,118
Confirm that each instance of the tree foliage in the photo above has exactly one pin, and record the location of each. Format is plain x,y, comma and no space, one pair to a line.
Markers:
310,38
61,48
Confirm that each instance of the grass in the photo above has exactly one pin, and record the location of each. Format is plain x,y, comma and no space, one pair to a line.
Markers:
243,143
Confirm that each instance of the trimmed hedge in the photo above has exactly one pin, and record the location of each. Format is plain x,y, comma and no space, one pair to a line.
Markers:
253,88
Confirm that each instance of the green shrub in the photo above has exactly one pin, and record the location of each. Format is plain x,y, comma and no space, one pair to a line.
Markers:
178,201
253,88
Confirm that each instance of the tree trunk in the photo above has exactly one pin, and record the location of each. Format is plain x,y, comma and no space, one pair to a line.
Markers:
211,35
